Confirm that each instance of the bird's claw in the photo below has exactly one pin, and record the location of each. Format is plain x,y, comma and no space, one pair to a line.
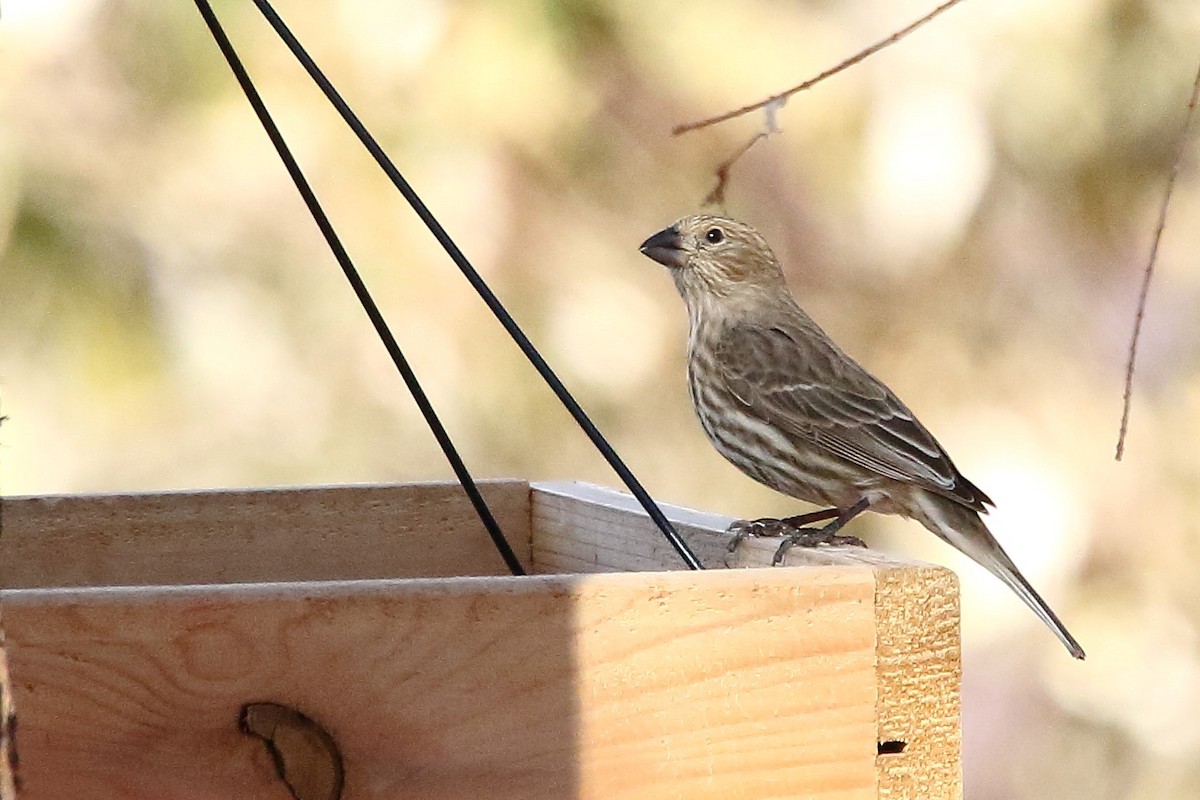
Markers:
814,537
743,529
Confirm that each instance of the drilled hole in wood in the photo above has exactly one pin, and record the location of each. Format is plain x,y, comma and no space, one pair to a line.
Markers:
305,755
891,747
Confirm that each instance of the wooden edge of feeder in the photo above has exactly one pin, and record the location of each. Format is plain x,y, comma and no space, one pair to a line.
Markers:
336,533
580,527
630,685
414,530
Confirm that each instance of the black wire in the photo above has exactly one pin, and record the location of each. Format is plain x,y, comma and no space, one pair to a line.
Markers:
360,289
480,286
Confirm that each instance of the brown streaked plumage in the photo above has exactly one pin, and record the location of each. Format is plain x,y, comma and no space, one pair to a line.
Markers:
785,405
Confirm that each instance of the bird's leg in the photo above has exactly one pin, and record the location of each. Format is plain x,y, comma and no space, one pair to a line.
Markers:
813,537
800,520
768,526
847,515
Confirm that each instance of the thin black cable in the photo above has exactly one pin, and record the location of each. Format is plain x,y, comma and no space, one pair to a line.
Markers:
481,287
360,289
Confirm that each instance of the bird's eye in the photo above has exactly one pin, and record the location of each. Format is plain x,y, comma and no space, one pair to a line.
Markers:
714,235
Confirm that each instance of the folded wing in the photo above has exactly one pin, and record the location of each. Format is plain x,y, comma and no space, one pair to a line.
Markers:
805,386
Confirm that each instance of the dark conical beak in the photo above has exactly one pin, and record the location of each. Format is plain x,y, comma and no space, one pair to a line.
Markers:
666,247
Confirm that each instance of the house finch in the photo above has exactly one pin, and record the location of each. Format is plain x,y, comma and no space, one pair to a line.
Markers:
782,402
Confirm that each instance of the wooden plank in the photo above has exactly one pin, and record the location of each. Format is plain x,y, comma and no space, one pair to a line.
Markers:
8,728
577,527
575,523
728,683
610,530
413,530
919,671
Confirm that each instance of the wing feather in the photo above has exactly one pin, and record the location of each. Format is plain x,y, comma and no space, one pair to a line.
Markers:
804,385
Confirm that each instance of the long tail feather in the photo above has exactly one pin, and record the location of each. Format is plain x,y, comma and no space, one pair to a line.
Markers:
963,529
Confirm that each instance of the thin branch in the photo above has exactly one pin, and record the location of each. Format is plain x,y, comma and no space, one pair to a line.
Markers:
850,62
717,196
770,126
1149,271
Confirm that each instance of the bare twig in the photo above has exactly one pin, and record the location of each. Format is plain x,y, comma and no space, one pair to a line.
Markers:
770,126
849,62
717,196
1149,271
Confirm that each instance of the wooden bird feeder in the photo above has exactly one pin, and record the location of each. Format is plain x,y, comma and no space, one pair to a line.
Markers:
147,635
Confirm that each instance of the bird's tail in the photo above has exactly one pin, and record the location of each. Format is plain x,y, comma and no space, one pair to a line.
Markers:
962,528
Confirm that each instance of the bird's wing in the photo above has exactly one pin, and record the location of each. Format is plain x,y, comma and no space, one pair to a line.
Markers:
805,385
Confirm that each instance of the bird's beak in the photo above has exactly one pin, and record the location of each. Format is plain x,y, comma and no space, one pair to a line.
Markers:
666,247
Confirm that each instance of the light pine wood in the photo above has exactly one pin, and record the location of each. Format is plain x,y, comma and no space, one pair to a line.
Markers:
662,684
414,530
666,685
583,528
919,671
577,527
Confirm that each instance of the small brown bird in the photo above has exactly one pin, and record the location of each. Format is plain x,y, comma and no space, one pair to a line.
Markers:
782,402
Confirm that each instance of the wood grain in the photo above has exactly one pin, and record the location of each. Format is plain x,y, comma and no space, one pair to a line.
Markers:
741,683
582,528
336,533
604,530
919,669
577,527
622,687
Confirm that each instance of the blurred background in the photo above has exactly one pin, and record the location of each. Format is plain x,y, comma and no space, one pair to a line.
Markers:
968,213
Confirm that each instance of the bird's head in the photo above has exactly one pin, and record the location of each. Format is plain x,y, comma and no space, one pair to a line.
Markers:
713,256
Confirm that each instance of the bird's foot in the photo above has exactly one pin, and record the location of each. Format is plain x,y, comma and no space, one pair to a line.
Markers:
814,537
743,529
